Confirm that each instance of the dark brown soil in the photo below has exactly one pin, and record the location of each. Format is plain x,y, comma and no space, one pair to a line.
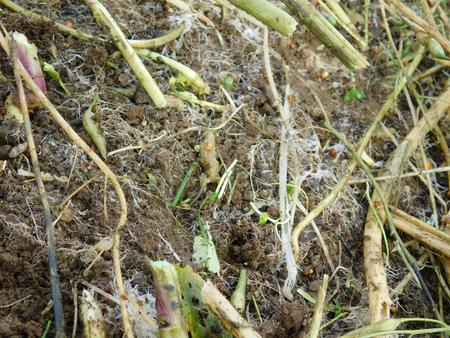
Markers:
155,229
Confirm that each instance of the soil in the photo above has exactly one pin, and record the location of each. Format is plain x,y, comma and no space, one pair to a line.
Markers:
161,232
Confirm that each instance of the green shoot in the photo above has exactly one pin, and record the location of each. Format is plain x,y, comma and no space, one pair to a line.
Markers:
53,73
47,329
354,94
93,130
263,218
238,296
180,192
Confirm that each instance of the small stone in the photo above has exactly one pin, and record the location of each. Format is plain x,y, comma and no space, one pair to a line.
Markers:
264,193
17,150
124,79
267,108
315,285
141,96
4,150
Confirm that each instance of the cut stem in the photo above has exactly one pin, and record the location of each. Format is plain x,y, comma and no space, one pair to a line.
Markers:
269,14
103,17
327,34
238,297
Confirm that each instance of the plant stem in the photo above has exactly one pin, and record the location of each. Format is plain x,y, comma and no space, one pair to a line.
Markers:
269,14
314,330
52,262
160,41
103,17
327,34
331,197
104,168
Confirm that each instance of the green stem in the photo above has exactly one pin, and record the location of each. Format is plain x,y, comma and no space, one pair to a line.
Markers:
103,17
268,14
327,34
183,185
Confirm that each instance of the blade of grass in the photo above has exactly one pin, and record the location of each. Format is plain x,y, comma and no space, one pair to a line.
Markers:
180,192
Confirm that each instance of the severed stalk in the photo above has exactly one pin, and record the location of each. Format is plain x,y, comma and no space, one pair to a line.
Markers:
379,299
91,316
327,34
331,197
269,14
78,141
168,300
103,17
205,294
238,297
185,76
228,315
334,8
52,262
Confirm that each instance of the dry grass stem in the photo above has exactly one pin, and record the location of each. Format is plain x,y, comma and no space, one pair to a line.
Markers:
430,236
108,173
314,329
379,300
410,14
51,241
331,197
445,150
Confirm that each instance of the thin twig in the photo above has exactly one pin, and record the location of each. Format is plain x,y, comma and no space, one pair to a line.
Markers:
15,302
445,150
411,174
104,168
51,241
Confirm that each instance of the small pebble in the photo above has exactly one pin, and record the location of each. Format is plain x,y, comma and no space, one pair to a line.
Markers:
17,150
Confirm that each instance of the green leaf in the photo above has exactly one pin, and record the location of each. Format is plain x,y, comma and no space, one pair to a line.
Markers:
53,73
289,189
204,254
228,82
263,218
354,94
152,182
337,308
